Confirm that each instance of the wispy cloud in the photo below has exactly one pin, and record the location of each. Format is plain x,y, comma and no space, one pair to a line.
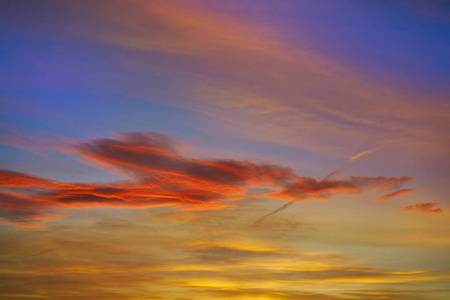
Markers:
395,194
254,83
39,144
423,208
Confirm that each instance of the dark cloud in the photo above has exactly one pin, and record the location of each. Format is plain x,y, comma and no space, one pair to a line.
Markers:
310,188
155,154
23,211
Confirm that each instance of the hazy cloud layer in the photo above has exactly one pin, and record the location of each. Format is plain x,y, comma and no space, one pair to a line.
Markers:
214,261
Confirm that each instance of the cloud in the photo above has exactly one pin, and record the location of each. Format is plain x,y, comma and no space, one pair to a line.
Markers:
305,189
423,208
18,179
159,174
38,144
182,29
394,195
150,154
23,211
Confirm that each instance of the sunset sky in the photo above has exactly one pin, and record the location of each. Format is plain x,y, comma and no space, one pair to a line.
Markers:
225,149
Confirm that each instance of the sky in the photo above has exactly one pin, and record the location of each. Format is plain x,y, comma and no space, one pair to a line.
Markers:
226,149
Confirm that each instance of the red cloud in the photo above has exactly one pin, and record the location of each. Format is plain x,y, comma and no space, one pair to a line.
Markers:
162,176
394,195
423,208
17,179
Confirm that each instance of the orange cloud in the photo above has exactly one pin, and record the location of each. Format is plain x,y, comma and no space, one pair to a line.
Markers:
17,179
162,176
423,208
394,195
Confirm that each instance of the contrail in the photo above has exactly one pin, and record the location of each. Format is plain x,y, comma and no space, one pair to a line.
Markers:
272,213
341,169
359,155
349,164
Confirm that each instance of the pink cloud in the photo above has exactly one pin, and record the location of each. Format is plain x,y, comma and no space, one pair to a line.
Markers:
423,208
394,195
